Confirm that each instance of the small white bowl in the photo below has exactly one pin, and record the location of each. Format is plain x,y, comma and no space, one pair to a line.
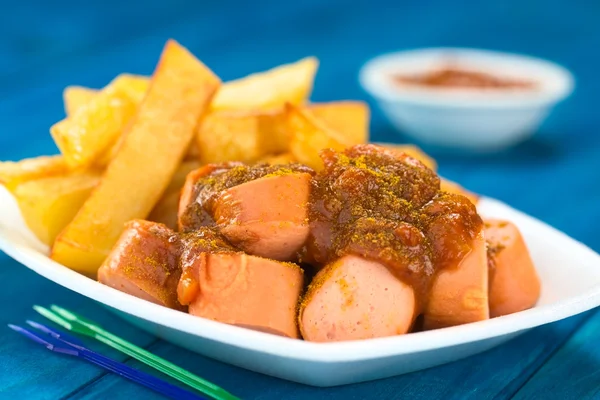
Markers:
466,118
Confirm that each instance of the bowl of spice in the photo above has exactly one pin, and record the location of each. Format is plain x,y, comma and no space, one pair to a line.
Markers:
466,99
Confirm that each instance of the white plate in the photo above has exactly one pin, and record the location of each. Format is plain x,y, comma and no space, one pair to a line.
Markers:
570,274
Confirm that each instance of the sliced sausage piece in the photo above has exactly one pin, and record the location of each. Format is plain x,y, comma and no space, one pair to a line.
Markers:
145,263
514,283
353,299
267,217
195,245
191,214
459,293
247,291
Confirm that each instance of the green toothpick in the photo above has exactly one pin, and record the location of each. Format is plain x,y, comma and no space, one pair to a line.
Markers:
75,323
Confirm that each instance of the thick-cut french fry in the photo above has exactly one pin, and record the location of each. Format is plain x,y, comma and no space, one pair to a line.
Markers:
412,151
237,136
94,128
15,173
77,96
453,187
134,86
290,83
49,204
309,136
153,148
90,133
350,118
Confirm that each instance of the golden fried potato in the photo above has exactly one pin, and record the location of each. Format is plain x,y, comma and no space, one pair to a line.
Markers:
90,135
350,118
290,83
15,173
94,128
134,86
153,148
49,204
455,188
284,158
260,91
412,151
237,136
77,96
311,135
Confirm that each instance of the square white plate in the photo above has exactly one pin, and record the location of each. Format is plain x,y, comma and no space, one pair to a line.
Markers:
570,274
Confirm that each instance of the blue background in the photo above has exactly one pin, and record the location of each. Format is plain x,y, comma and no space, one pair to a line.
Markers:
45,46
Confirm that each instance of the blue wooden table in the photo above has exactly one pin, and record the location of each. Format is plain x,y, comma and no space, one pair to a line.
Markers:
47,45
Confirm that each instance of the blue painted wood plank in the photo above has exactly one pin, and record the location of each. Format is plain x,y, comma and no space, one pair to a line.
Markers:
44,32
573,372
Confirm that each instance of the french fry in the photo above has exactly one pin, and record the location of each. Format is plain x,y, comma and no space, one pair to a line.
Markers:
350,118
290,83
15,173
89,135
134,86
412,151
94,127
49,204
263,91
77,96
310,135
145,163
237,135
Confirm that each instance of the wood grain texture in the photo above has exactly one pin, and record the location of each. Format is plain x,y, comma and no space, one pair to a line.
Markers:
29,371
573,372
46,46
494,374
